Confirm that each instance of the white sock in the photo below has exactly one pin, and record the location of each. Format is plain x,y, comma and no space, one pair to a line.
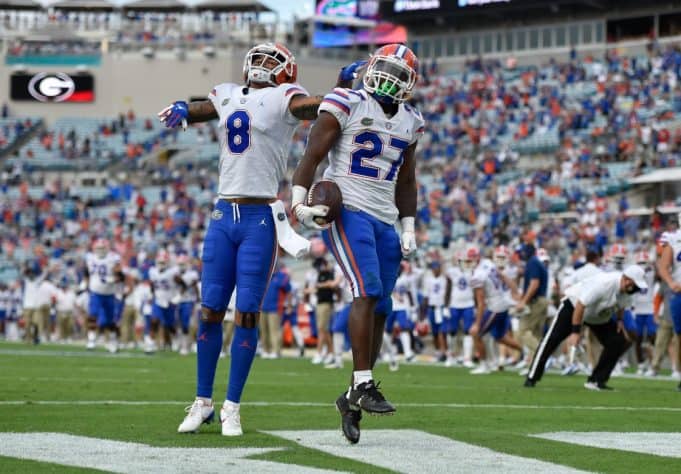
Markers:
467,347
361,376
206,401
229,403
338,345
91,336
406,344
298,336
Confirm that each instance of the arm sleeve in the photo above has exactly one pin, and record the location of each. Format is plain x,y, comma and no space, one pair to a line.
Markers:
288,92
218,94
478,279
339,104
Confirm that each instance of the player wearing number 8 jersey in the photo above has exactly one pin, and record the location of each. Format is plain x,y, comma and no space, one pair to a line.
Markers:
257,120
370,136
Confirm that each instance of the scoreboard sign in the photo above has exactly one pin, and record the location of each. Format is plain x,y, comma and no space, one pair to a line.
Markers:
52,87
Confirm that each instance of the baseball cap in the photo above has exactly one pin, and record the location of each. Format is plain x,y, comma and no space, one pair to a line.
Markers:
637,274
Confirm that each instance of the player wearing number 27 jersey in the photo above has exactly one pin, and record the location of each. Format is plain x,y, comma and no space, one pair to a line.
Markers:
370,136
256,122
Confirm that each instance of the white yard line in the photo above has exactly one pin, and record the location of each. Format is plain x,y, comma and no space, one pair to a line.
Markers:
417,452
659,444
484,406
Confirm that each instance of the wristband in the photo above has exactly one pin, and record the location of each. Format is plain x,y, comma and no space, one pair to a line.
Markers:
408,224
576,328
298,196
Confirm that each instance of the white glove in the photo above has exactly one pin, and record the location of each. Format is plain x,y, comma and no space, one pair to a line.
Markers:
408,238
307,215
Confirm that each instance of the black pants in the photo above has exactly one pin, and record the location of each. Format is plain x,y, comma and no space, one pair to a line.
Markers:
614,344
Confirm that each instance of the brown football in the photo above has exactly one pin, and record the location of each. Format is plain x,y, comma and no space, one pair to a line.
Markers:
326,193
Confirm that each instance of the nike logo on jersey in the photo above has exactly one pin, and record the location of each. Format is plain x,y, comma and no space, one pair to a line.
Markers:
262,222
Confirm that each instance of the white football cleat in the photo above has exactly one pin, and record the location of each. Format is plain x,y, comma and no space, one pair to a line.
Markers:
482,369
230,419
198,413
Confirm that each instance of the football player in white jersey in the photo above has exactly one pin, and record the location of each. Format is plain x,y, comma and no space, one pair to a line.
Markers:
370,136
437,289
492,303
669,271
189,295
165,285
461,301
102,271
258,120
643,314
404,305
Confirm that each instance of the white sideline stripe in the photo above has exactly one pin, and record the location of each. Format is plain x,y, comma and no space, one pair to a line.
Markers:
395,450
137,458
322,405
658,444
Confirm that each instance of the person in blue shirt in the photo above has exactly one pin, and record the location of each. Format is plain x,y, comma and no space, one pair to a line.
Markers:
272,310
535,282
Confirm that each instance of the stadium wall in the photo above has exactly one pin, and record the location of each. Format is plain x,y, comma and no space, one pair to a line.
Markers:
127,81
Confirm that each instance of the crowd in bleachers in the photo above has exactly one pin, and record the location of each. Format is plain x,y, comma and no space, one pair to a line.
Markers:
503,145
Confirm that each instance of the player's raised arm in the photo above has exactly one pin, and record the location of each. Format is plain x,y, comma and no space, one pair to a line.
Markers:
323,136
405,200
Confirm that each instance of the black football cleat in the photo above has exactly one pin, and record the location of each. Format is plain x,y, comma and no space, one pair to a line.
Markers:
350,418
529,383
370,399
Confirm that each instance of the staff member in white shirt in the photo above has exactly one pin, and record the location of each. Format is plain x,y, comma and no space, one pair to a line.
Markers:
592,302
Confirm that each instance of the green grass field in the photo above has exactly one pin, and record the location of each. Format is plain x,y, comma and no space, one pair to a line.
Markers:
136,398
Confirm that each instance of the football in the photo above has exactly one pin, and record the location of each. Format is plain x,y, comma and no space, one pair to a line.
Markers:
326,193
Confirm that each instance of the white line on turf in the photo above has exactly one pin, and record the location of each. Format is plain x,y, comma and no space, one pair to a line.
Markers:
659,444
137,458
412,451
483,406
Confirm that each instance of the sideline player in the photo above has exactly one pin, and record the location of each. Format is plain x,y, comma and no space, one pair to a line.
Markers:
370,136
258,119
102,271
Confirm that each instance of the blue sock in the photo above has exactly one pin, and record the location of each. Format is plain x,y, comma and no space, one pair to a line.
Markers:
147,325
243,352
208,345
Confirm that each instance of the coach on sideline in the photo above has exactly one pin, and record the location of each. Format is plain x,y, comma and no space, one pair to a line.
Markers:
592,301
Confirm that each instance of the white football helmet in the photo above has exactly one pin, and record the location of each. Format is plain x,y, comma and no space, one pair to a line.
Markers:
270,63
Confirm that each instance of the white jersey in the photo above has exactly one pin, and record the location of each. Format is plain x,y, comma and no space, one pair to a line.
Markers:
400,295
643,300
165,287
5,297
142,298
673,239
487,277
66,300
256,132
462,292
366,159
83,301
190,277
101,273
435,289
